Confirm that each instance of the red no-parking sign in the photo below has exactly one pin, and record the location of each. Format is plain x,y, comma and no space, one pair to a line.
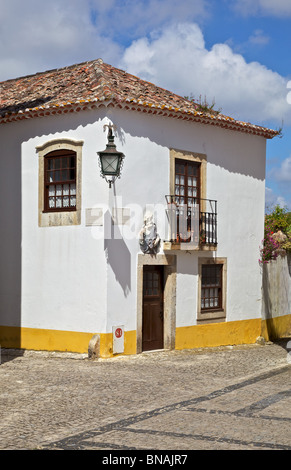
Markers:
118,339
118,332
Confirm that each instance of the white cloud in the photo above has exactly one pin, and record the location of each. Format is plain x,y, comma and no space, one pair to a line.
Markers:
160,58
279,177
54,34
272,199
38,36
279,8
259,38
177,58
283,173
139,17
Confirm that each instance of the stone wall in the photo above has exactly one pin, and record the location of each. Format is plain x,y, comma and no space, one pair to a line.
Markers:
276,307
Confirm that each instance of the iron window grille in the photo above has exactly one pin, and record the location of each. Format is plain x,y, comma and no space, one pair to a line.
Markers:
196,221
211,287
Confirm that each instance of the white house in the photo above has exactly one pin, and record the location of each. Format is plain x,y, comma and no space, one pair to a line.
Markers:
167,257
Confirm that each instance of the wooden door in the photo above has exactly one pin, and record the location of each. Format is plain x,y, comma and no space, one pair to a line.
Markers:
153,312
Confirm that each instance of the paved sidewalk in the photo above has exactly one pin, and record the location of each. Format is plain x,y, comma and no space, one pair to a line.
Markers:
217,398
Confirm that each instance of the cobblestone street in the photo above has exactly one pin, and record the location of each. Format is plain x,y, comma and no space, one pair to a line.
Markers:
219,398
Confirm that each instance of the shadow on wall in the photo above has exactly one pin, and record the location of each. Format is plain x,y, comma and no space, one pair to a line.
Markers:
117,253
220,145
10,242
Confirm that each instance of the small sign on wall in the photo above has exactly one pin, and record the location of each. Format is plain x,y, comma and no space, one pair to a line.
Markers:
121,216
118,339
94,217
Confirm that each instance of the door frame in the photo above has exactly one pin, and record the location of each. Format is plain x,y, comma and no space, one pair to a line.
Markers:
169,263
149,318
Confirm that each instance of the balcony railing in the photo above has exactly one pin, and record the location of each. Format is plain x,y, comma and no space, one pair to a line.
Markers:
195,223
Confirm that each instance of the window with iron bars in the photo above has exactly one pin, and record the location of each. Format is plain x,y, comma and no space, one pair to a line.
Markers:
211,287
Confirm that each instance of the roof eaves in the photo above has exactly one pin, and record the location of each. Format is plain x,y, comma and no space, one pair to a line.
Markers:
109,98
208,118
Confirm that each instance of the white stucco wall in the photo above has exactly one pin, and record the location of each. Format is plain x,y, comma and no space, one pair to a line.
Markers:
73,279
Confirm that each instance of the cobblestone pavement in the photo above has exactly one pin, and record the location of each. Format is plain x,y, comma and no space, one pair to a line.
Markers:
218,398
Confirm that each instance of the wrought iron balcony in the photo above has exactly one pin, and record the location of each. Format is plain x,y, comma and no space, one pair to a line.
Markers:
194,224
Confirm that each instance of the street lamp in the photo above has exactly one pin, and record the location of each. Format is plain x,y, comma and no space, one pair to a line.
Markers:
110,159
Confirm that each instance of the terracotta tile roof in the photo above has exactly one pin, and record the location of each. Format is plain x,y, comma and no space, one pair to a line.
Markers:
93,84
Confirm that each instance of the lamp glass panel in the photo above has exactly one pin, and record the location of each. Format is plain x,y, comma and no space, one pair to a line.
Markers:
110,164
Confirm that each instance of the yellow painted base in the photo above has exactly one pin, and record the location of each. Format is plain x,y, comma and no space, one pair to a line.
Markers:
106,344
275,328
188,337
218,334
44,340
65,341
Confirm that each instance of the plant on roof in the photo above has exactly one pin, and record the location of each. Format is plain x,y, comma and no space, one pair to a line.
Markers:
203,105
280,131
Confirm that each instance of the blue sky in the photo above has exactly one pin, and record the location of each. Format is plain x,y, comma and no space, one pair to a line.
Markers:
235,52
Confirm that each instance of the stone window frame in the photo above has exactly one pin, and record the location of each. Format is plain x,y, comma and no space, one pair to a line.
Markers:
61,218
215,315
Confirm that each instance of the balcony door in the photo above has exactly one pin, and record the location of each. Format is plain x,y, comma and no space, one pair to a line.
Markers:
187,182
187,195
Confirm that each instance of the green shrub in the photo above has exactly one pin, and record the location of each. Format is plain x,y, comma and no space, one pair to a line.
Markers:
277,220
